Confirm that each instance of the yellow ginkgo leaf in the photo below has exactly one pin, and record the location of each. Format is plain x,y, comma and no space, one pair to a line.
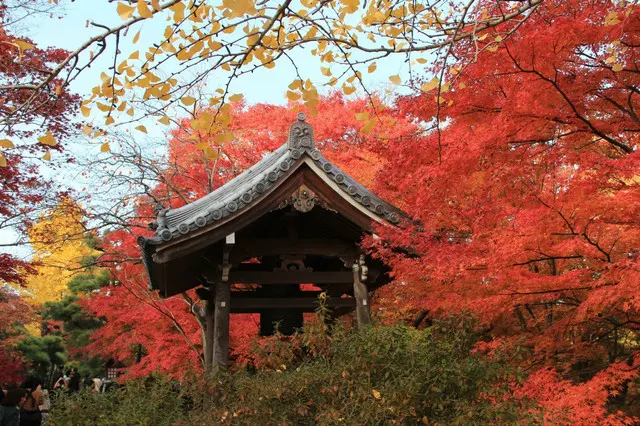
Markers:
223,138
375,394
136,37
47,156
109,121
3,161
236,98
6,143
462,85
143,11
296,84
47,139
325,71
430,85
350,6
141,128
211,153
86,111
188,100
292,96
125,11
23,45
617,68
372,67
156,5
87,130
165,120
348,89
395,79
105,147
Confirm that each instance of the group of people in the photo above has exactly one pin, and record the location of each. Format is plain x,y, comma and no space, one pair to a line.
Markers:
29,404
24,406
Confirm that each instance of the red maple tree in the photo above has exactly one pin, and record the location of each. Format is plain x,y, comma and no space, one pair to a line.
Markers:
14,314
527,198
22,188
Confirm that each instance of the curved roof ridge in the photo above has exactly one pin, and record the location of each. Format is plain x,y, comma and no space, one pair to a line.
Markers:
255,172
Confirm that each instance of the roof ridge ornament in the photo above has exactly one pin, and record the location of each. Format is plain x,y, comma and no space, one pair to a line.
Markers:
301,135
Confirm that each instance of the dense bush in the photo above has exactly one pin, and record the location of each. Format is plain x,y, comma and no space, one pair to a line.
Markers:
379,375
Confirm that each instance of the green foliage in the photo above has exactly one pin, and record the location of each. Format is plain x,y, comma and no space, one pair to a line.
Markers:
92,241
77,325
151,401
43,353
87,283
377,375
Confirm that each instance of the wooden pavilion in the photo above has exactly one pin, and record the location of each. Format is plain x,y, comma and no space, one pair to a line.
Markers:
292,218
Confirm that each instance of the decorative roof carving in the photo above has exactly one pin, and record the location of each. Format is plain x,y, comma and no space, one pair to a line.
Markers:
248,187
304,200
301,136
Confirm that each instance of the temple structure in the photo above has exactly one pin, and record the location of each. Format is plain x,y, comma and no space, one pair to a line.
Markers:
293,218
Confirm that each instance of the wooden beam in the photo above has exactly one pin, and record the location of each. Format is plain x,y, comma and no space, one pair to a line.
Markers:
274,247
254,304
260,294
289,277
221,326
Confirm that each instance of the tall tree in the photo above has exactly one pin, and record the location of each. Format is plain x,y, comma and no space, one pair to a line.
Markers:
526,188
24,192
68,319
59,242
14,315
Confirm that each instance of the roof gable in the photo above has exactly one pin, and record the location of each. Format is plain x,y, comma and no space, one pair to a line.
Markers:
240,194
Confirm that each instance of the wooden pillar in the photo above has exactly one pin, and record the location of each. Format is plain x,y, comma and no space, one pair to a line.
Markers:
221,326
363,312
209,312
222,310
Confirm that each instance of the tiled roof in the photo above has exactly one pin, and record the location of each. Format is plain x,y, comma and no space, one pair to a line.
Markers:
242,191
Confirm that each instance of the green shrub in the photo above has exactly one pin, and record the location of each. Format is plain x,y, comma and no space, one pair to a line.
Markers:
150,401
378,375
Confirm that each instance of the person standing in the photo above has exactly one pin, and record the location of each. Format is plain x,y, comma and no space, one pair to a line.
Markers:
74,381
30,414
10,407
